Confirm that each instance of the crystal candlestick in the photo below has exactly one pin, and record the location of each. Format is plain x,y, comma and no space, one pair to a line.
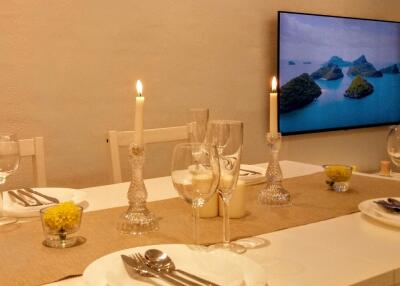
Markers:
137,219
274,193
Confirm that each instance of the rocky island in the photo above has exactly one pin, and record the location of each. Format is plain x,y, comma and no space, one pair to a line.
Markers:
393,69
359,88
298,92
337,61
362,67
328,72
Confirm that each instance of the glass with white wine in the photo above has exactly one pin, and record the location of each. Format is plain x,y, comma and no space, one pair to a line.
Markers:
9,161
195,175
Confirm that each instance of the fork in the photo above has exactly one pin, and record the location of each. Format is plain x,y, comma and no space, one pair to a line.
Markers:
141,265
24,193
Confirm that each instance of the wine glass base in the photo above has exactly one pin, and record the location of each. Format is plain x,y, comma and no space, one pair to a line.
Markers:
137,222
231,246
7,220
275,195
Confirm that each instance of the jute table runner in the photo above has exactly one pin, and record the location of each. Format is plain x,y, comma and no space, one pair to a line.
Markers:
24,261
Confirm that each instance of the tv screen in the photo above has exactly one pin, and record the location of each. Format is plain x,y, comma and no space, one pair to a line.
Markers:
337,73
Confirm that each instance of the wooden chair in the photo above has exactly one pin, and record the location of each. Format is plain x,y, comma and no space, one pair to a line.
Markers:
117,139
35,148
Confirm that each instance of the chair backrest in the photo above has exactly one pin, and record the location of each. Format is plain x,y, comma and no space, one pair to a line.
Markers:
118,139
35,148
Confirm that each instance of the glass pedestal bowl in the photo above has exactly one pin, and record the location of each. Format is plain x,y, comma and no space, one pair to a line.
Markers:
59,222
338,177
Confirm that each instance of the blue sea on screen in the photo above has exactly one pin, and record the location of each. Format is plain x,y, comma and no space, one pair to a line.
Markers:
332,110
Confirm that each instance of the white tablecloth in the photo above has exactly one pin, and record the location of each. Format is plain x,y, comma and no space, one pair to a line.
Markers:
341,251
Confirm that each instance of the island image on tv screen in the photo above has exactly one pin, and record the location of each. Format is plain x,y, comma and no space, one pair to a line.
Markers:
337,73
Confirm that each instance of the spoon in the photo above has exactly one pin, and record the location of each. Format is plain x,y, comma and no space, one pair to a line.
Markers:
161,261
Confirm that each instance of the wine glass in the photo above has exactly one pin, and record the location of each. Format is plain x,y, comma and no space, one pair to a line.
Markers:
393,144
227,136
9,161
195,175
198,119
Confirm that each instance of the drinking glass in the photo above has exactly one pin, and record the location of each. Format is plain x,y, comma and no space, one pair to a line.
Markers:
9,161
195,175
198,119
393,144
227,136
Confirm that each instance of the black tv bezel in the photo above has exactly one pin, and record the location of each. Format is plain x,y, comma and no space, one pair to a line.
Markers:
278,74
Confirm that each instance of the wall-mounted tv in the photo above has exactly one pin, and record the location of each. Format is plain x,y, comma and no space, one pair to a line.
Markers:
337,72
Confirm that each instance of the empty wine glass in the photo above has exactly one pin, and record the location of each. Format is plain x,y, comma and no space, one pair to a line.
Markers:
9,161
197,124
393,144
227,136
195,175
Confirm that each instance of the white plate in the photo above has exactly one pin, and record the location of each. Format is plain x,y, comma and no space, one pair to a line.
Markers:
219,266
374,211
250,178
14,209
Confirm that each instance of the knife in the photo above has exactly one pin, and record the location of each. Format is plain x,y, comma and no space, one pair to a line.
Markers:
21,199
251,171
51,199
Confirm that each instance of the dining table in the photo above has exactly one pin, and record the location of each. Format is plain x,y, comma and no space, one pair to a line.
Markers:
350,249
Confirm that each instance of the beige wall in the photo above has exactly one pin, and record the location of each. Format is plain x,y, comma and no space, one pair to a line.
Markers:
68,68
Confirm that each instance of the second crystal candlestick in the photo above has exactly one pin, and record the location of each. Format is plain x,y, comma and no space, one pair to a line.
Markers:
274,193
137,219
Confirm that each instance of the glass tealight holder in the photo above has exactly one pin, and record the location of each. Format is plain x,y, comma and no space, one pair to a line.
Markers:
338,177
59,222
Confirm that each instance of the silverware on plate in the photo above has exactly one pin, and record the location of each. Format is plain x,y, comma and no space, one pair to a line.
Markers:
22,193
389,205
394,201
51,199
160,261
249,172
167,270
19,198
142,269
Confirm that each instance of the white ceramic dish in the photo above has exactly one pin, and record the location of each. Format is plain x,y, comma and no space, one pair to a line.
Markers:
252,178
219,266
374,211
14,209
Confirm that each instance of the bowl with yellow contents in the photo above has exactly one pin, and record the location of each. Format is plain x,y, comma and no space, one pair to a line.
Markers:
58,222
338,177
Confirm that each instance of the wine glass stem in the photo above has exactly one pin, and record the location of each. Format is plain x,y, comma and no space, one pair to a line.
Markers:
196,215
225,225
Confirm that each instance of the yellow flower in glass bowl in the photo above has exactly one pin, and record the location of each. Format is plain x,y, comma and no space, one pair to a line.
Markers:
338,177
59,221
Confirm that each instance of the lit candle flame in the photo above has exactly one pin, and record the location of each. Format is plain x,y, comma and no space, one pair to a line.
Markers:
139,88
274,84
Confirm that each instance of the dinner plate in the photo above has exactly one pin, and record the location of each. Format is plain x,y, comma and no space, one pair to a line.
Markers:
374,211
14,209
219,266
252,175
